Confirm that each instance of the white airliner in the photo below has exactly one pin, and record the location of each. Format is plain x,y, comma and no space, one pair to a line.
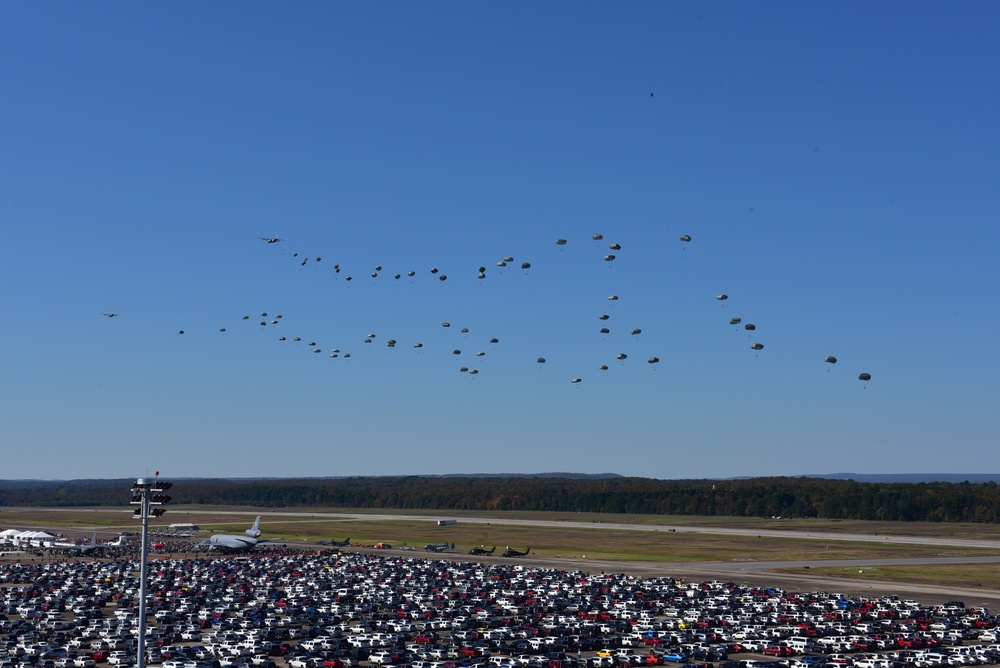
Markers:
87,548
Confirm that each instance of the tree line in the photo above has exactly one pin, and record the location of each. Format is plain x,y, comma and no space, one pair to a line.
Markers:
752,497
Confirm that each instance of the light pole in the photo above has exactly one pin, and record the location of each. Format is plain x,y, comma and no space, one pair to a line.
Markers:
149,496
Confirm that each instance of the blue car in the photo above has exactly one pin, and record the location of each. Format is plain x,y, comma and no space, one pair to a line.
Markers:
675,657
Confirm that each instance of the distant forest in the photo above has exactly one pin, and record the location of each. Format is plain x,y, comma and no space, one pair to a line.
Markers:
752,497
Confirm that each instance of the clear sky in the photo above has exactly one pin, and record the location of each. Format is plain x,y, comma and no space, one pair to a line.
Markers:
836,166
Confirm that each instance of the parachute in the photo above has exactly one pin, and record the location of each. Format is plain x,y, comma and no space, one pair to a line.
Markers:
757,346
830,359
560,242
603,316
456,352
609,258
525,265
494,340
577,380
621,356
613,298
605,330
685,238
750,327
598,237
735,321
636,332
865,376
722,298
603,367
446,324
541,360
653,360
615,247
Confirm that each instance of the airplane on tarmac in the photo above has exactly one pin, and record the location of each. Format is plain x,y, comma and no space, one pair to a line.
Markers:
336,543
233,543
86,548
481,551
439,547
511,552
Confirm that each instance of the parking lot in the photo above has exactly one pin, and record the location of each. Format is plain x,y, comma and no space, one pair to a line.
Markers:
338,610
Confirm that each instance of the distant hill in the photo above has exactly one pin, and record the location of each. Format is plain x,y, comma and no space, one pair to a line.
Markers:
32,483
910,477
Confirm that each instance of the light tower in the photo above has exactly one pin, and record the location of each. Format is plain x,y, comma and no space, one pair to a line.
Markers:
149,496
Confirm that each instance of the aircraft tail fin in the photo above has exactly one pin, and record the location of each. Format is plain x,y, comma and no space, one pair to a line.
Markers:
254,531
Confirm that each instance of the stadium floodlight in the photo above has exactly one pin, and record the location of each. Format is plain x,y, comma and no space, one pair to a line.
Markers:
149,496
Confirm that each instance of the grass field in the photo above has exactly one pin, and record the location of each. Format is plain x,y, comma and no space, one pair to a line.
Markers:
964,575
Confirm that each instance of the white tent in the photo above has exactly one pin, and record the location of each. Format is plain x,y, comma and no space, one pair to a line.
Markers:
36,538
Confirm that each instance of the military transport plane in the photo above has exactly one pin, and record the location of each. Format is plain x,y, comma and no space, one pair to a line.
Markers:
233,543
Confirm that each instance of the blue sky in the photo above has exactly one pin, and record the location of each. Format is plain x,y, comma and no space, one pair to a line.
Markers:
836,165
